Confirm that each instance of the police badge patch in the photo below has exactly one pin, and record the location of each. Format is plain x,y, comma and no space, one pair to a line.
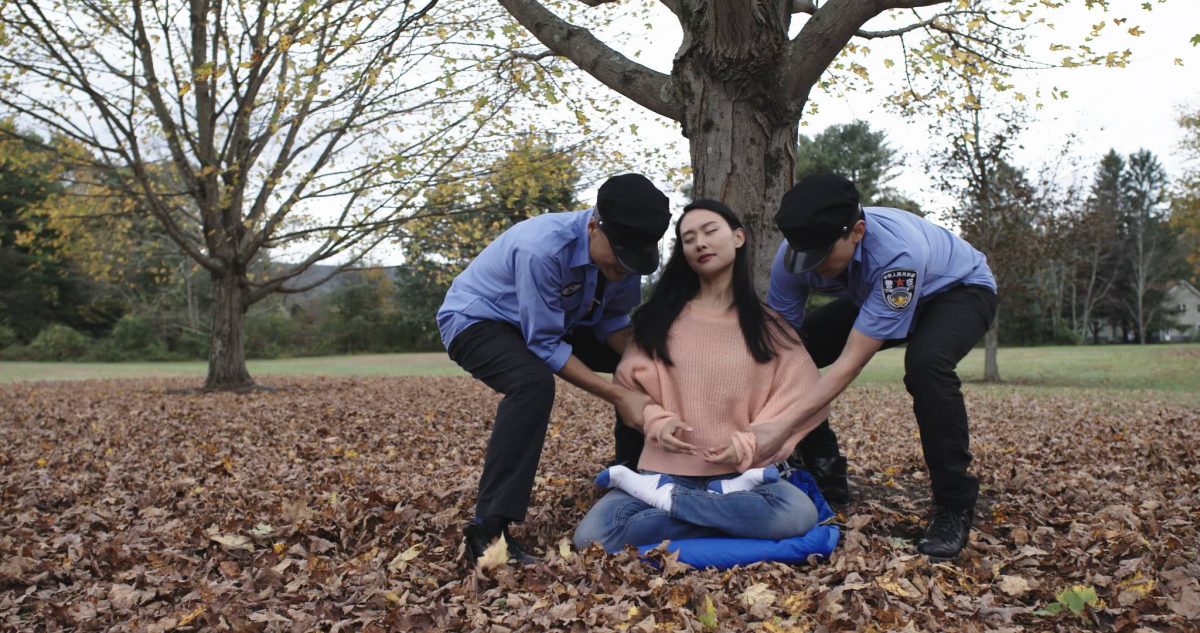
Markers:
899,288
571,288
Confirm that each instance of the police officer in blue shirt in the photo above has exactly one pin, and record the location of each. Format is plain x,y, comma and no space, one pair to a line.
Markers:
551,295
898,279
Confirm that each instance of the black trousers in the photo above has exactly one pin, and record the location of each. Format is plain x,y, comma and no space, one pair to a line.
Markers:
496,354
947,327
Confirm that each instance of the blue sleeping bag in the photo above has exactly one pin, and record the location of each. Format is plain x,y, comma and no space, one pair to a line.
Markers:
723,553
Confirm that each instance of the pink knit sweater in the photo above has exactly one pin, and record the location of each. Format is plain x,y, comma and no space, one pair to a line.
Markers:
716,387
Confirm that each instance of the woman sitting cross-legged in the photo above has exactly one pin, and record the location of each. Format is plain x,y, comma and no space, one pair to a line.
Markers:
715,361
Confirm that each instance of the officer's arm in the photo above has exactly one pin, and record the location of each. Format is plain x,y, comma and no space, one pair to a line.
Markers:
630,404
787,294
859,350
855,355
614,327
539,277
620,339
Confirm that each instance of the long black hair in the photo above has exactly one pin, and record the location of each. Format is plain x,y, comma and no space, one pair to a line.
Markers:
679,284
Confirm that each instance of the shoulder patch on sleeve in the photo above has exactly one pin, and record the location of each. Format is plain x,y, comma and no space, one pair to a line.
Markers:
899,288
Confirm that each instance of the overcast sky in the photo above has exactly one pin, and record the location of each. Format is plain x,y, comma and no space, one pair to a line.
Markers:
1122,108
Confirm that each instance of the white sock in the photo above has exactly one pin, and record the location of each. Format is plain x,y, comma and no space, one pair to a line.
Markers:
654,490
748,480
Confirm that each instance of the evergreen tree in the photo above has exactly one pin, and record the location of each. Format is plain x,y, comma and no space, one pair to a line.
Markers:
1099,277
1151,260
859,153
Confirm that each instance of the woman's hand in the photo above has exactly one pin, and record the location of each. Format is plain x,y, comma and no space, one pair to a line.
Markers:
739,453
666,435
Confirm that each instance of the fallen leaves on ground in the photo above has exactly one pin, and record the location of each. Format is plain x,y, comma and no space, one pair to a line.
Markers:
338,504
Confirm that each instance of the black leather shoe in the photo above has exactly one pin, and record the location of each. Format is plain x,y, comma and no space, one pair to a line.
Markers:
517,552
478,538
830,473
947,534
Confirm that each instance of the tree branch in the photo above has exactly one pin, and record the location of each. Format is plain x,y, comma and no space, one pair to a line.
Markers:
908,4
825,34
804,6
869,35
648,88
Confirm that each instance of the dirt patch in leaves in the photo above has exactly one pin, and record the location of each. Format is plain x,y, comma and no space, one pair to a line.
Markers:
338,503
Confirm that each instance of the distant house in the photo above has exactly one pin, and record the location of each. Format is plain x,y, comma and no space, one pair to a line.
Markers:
1183,301
1180,306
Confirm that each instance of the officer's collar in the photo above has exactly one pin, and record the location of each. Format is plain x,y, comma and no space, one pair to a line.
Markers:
580,256
858,248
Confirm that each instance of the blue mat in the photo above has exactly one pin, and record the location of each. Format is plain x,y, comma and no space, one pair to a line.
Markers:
723,553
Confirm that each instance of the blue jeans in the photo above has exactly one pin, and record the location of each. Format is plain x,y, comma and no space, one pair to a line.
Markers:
772,511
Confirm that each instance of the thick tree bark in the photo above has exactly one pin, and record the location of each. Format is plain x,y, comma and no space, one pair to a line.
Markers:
741,126
752,178
226,354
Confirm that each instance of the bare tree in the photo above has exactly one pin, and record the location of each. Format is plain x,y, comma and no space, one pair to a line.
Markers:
302,126
1150,249
1096,247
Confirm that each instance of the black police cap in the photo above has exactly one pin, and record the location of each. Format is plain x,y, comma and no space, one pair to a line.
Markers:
634,215
815,214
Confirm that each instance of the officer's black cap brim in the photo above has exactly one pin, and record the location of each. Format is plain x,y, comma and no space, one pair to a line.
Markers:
805,261
638,260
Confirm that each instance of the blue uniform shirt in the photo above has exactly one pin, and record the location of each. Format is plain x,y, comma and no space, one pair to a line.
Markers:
538,276
901,261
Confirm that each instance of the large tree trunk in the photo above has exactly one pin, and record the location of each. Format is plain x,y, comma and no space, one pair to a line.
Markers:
991,344
226,354
740,125
1141,322
753,183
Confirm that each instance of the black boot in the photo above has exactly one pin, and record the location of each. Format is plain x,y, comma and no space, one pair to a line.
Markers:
629,443
947,534
818,453
479,535
830,473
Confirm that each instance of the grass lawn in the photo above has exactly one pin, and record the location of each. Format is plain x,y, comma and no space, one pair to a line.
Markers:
429,364
1159,367
1167,370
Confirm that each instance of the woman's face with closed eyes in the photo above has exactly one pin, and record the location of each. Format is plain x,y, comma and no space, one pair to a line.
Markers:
709,243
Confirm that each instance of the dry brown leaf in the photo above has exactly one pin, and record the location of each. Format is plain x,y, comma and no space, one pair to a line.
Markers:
400,562
123,596
902,587
759,598
1188,604
858,521
190,617
494,556
232,541
1014,585
129,497
646,626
